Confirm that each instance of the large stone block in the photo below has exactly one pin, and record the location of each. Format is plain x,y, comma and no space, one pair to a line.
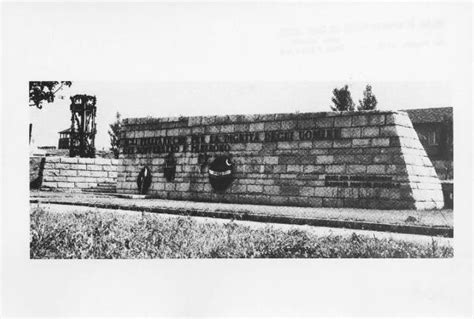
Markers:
322,144
329,192
360,142
69,160
396,169
97,174
78,166
254,188
351,132
362,159
68,172
294,168
305,145
271,189
376,169
388,131
325,159
377,119
343,121
48,165
76,179
51,172
360,120
288,125
49,184
94,167
370,131
306,124
380,142
356,169
343,159
109,168
256,127
347,143
253,147
65,166
382,159
289,190
307,191
82,160
112,174
334,169
308,169
84,185
56,179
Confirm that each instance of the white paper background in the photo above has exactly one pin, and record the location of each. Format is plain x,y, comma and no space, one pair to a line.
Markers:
231,42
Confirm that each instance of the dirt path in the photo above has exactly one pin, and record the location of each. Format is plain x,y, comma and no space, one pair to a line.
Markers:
434,222
319,231
437,218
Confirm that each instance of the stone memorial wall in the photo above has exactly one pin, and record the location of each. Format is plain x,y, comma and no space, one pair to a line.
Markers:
78,174
350,159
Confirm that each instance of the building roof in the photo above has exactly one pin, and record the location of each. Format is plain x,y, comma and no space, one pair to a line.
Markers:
430,115
68,130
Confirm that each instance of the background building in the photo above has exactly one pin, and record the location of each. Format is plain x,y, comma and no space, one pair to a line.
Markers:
435,130
64,138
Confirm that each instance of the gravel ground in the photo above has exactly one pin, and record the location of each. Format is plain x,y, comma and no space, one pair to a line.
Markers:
319,231
431,218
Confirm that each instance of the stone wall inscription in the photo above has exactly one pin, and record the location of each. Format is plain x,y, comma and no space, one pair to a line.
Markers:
201,143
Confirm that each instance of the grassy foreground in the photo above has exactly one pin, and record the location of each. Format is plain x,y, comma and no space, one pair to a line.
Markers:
107,235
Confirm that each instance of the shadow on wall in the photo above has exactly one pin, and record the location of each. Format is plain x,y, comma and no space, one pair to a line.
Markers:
36,171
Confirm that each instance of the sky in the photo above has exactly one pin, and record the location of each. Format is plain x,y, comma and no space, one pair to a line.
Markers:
162,59
143,99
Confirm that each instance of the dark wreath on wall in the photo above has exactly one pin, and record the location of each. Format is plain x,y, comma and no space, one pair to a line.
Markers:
144,180
221,172
169,168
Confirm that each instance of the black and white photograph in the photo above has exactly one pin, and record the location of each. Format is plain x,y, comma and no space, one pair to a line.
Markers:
236,158
348,180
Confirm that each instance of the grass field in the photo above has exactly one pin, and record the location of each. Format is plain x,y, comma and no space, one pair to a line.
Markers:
108,235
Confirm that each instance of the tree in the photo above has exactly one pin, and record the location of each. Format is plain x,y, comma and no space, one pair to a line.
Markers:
114,134
45,91
342,100
369,102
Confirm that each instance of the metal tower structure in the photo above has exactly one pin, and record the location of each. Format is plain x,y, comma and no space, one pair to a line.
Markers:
83,127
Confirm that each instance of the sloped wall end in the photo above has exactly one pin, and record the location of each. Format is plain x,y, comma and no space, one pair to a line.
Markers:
421,177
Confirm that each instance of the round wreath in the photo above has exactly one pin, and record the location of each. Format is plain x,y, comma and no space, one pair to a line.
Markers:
144,180
221,173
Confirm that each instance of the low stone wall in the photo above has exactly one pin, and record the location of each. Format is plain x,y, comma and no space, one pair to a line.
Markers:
76,174
349,159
